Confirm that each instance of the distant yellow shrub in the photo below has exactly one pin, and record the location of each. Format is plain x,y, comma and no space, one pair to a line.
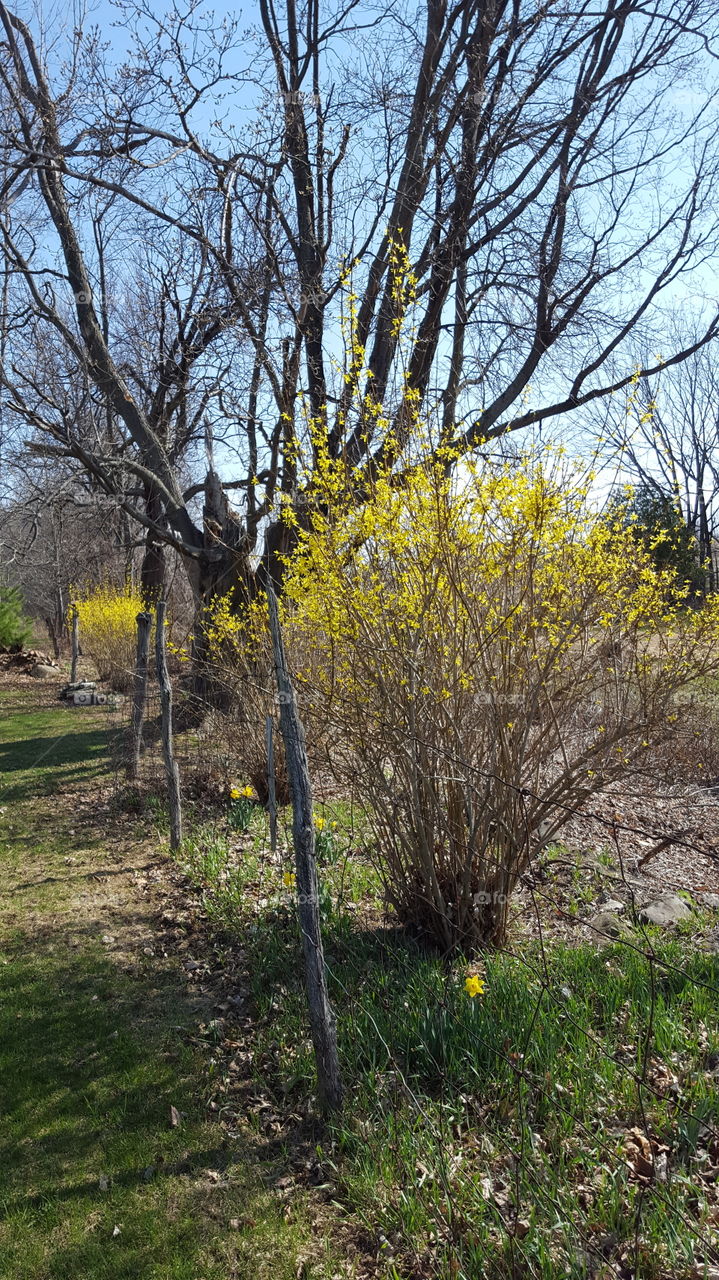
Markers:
108,632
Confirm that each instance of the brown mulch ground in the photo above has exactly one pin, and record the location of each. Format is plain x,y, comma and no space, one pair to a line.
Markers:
665,836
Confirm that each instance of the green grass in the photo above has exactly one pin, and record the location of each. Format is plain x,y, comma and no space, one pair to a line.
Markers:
234,867
91,1066
97,1044
492,1137
495,1137
44,750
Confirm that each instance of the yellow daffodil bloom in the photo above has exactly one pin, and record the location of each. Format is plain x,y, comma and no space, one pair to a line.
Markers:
474,986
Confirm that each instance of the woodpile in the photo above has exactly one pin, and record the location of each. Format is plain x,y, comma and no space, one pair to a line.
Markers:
27,662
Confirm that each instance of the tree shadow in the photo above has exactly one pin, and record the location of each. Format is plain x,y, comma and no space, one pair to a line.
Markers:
51,761
92,1059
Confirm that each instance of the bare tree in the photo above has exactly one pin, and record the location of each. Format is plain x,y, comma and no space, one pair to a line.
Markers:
57,534
668,441
478,191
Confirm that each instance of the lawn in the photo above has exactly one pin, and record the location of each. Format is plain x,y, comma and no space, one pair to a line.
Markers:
562,1123
111,1164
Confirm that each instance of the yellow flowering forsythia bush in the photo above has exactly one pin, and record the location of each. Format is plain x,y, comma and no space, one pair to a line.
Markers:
108,632
489,653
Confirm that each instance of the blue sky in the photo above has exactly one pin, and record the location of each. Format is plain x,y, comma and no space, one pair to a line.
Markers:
691,296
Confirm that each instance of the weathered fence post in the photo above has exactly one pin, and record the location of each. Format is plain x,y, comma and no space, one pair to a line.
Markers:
75,643
172,770
271,789
139,696
322,1020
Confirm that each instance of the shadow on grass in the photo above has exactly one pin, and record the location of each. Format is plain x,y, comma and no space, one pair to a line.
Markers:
91,1061
71,747
96,874
51,761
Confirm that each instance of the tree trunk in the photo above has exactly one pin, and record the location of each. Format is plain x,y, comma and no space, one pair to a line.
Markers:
53,635
172,771
75,642
139,698
152,571
322,1020
271,789
224,568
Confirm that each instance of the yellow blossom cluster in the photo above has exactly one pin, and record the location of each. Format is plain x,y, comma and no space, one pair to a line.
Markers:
510,561
231,633
488,650
108,629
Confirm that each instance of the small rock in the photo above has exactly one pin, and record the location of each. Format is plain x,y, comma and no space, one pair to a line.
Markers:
108,939
115,1231
607,923
613,904
41,672
665,911
103,1182
709,901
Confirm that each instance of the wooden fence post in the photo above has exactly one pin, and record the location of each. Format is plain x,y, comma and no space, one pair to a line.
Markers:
271,789
75,642
139,697
172,771
322,1020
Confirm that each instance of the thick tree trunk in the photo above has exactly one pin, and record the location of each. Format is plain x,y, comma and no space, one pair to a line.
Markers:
152,571
224,567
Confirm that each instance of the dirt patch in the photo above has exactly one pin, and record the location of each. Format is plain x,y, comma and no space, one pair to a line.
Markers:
667,835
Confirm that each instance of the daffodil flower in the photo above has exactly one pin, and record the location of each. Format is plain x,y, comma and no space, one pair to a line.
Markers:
474,986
